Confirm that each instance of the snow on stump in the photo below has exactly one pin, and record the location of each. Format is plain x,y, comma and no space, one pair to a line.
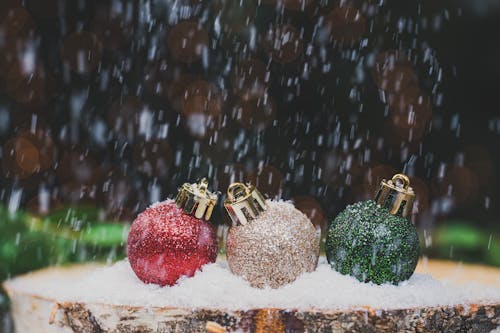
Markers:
93,298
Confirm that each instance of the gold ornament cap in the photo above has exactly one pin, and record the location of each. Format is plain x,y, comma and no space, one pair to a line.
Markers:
396,195
196,199
244,203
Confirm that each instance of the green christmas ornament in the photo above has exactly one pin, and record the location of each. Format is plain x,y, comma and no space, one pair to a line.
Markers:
373,240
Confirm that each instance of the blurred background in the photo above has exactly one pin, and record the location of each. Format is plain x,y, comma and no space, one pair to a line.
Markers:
108,106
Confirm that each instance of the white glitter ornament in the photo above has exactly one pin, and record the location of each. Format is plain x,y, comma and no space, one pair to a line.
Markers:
271,243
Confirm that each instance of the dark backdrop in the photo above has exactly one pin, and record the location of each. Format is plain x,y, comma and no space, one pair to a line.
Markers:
99,107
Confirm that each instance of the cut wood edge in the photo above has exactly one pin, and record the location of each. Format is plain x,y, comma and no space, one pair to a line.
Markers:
80,317
459,273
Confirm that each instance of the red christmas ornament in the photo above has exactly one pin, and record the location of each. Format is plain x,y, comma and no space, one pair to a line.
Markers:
174,238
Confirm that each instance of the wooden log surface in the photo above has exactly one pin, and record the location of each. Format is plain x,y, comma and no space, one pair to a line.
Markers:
34,313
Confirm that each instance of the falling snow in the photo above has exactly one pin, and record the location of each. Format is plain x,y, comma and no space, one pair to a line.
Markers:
109,106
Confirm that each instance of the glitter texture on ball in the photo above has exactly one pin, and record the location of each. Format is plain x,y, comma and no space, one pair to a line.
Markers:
369,243
165,243
275,248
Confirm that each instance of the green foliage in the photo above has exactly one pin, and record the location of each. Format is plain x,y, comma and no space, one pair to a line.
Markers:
463,241
64,236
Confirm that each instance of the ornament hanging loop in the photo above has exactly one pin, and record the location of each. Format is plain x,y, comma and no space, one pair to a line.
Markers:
244,203
203,185
396,195
401,179
236,191
196,199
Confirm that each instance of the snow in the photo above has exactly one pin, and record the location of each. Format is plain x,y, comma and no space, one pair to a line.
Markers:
216,287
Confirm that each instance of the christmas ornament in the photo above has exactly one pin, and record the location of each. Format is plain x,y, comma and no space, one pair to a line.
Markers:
373,240
174,238
270,243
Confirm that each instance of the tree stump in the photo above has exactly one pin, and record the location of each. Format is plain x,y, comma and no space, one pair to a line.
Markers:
36,313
